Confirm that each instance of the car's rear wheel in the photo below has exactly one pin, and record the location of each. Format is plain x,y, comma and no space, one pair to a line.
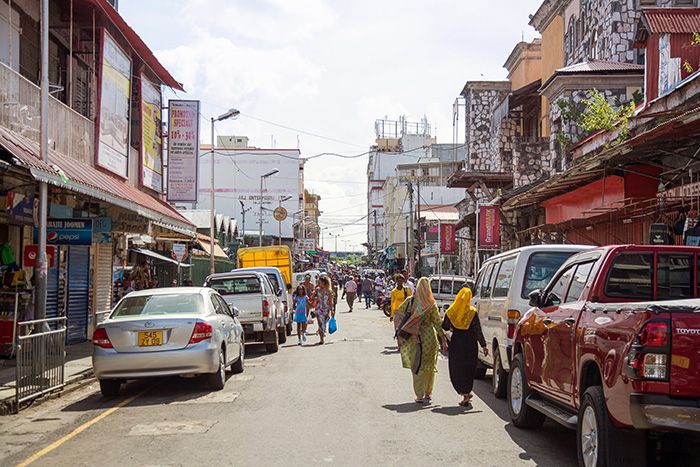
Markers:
238,365
592,430
217,380
110,387
272,342
523,415
500,376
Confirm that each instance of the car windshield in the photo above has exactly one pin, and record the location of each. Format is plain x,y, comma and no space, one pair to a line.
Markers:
235,285
168,304
541,268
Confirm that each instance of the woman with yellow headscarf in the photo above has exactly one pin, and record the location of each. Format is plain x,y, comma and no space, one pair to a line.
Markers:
463,320
418,332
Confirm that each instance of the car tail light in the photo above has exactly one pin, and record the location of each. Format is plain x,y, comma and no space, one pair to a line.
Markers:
513,317
202,331
265,308
654,334
654,366
100,339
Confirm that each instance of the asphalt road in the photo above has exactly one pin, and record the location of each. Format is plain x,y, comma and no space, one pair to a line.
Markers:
348,402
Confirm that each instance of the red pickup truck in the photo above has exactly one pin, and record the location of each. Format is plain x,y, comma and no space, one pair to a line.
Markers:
611,348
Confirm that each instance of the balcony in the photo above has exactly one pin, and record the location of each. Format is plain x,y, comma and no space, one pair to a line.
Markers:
70,133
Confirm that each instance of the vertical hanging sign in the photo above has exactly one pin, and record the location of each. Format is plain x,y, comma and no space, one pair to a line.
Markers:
489,227
447,239
151,139
183,150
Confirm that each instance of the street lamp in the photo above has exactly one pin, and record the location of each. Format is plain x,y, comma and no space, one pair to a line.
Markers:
243,211
262,180
279,222
231,113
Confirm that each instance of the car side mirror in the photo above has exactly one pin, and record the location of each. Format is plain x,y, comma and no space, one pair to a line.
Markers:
234,311
279,292
535,297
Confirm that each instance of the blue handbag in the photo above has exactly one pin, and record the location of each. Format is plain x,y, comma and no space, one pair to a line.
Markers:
332,325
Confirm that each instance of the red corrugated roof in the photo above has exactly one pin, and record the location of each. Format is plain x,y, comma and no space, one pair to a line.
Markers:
672,20
81,173
139,46
593,66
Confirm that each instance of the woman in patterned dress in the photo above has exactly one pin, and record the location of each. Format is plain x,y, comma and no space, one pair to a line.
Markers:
419,352
324,306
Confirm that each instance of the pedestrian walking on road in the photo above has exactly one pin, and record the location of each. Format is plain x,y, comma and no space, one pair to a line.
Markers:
419,334
350,291
398,295
463,320
367,291
324,306
301,312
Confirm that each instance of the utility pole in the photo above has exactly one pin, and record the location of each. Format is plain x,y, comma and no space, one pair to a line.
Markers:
410,256
243,211
420,233
376,232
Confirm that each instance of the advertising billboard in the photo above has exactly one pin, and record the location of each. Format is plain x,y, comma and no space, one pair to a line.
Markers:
151,138
447,239
113,118
237,179
489,227
183,150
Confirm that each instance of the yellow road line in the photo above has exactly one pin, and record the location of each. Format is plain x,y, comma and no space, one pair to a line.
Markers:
77,431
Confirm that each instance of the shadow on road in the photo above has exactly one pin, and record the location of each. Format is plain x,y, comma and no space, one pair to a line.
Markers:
456,410
407,407
390,350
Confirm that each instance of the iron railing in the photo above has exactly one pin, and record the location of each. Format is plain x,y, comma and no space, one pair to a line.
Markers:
41,357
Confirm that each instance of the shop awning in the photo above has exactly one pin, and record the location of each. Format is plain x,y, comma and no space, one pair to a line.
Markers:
205,244
81,177
157,256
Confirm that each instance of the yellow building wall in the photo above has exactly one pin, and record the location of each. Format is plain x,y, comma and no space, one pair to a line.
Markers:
528,70
552,60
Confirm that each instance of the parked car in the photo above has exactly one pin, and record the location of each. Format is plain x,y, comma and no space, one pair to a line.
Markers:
169,331
501,296
610,349
280,286
445,289
254,296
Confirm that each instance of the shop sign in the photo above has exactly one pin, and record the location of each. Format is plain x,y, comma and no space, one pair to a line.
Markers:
489,227
151,139
20,208
179,252
304,244
68,232
447,239
30,255
126,221
183,150
279,214
102,230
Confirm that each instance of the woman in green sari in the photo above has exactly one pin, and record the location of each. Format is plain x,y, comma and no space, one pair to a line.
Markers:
419,332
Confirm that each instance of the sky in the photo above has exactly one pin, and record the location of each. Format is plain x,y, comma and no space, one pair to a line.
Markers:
316,74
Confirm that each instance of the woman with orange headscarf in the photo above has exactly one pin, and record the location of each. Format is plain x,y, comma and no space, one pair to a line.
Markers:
418,332
463,320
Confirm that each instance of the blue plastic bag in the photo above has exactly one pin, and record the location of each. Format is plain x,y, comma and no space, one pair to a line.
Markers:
332,325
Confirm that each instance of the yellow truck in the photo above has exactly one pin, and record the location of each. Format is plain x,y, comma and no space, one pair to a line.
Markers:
268,256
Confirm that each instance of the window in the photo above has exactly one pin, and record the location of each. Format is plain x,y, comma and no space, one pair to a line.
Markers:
167,304
483,287
488,286
540,269
630,277
684,3
675,278
215,303
578,283
457,286
446,286
236,285
275,284
557,293
434,286
647,2
504,277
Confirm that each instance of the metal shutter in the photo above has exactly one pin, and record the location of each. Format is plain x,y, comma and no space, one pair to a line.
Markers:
102,284
77,291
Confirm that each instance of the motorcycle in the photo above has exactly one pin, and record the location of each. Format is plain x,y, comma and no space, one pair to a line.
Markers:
383,303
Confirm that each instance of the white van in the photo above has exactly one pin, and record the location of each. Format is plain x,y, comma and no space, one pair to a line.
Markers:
298,277
501,296
445,289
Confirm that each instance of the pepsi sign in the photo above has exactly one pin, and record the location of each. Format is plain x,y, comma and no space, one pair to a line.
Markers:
68,232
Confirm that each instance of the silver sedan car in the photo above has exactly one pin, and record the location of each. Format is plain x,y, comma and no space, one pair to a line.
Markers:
169,331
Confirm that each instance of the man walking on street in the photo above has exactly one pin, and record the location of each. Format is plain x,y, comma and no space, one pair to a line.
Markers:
367,287
350,291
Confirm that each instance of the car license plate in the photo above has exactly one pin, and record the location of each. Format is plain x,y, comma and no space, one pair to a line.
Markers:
150,338
248,328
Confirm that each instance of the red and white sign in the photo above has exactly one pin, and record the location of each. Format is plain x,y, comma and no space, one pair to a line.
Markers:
489,227
447,239
183,150
31,255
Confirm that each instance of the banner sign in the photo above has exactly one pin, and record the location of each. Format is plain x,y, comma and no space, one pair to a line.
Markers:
102,230
151,138
20,208
179,252
447,239
183,150
68,232
114,99
489,227
30,256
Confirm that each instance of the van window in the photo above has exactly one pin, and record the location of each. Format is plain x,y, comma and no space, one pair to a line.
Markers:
557,293
488,286
457,286
630,276
446,286
484,281
434,285
274,281
579,282
540,269
504,277
675,277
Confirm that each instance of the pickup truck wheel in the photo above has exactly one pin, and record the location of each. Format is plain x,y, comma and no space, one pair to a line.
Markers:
282,335
592,430
217,380
522,415
500,376
289,329
272,345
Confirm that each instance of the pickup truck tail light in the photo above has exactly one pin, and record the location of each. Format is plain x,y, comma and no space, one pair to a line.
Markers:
265,308
513,317
649,357
202,331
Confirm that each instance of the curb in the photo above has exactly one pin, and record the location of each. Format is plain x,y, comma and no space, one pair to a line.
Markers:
71,384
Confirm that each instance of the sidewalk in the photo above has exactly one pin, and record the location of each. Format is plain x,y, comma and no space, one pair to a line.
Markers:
78,366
